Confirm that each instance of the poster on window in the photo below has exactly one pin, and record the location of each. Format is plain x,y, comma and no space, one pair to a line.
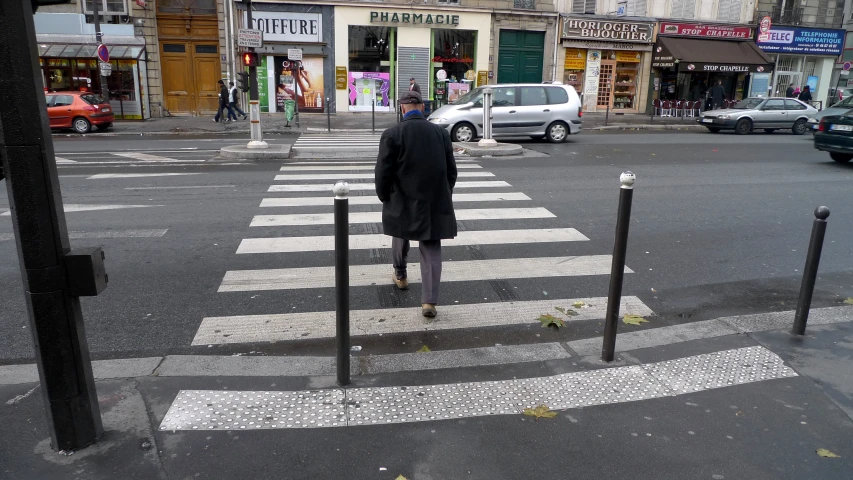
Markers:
302,81
456,90
367,87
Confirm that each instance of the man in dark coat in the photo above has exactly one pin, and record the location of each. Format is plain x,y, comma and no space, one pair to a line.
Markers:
717,94
790,91
224,107
413,85
806,94
415,176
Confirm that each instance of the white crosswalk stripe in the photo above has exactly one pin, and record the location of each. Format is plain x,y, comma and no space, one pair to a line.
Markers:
370,200
376,217
351,176
336,141
369,186
344,168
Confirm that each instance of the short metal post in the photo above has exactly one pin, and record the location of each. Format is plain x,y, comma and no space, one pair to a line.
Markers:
617,269
328,115
810,271
607,114
342,281
373,114
487,140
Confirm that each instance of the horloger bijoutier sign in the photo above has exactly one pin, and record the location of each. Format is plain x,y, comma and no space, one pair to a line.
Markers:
614,31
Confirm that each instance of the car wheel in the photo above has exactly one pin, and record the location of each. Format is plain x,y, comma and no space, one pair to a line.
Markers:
81,125
557,132
743,126
799,127
463,132
104,126
769,130
841,157
713,129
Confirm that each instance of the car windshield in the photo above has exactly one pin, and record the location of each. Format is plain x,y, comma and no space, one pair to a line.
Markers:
91,99
472,96
748,103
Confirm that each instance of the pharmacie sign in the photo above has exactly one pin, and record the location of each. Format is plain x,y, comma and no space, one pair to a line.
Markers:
576,28
414,18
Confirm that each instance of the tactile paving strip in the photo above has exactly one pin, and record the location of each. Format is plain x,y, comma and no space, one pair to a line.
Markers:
223,410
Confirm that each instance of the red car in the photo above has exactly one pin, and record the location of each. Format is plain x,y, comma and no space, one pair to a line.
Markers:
78,111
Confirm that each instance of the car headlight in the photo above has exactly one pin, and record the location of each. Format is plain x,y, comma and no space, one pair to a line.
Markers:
723,117
812,120
437,120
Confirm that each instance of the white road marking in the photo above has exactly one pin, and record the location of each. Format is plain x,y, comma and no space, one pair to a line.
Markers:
342,162
347,176
77,207
344,168
144,156
364,242
138,175
60,161
370,186
384,321
112,152
371,200
180,188
365,275
376,217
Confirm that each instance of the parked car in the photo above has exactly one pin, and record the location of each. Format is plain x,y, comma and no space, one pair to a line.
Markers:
835,135
551,111
79,111
769,114
839,108
837,95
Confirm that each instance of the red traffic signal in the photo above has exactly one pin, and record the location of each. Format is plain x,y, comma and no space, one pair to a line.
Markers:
252,59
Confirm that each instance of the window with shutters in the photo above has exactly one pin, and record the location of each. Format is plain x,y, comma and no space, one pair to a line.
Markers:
636,8
729,11
683,9
583,6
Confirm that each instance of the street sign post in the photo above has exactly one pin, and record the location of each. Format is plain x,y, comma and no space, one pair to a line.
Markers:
250,38
257,139
106,69
294,54
103,53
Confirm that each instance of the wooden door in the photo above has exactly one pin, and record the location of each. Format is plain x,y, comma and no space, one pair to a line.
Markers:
206,71
177,87
605,84
190,63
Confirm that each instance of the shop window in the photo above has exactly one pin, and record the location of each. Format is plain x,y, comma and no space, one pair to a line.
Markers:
532,96
106,7
504,97
369,49
557,95
453,52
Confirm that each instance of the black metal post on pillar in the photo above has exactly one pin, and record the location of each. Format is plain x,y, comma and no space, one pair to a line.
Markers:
341,190
96,18
53,276
373,115
328,115
617,269
607,114
801,317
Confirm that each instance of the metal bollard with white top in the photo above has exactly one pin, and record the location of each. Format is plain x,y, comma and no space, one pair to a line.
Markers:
617,269
487,140
341,190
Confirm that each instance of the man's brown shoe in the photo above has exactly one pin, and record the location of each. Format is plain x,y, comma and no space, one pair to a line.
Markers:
428,310
401,283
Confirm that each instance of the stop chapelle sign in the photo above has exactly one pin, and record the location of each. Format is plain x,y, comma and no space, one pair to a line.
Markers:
103,53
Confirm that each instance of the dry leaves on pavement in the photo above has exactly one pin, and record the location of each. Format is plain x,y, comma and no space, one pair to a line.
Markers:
542,411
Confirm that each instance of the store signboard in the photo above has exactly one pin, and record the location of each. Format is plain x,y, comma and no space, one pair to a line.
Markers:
575,59
250,38
628,57
482,77
340,78
760,85
703,30
287,26
617,31
809,41
585,44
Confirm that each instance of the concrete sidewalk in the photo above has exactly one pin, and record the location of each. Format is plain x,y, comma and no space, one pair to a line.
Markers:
275,124
739,401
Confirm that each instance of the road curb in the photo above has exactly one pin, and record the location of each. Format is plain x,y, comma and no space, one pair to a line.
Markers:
242,152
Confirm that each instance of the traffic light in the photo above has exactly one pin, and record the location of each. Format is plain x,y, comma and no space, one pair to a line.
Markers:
243,81
252,59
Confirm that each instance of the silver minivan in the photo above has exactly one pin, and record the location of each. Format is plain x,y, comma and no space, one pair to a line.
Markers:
551,111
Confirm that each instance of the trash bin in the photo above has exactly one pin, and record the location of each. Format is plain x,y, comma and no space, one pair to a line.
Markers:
289,110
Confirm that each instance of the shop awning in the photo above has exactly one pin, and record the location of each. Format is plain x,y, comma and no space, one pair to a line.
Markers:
85,46
715,56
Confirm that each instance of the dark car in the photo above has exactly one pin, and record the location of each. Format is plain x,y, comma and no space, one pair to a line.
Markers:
835,135
79,111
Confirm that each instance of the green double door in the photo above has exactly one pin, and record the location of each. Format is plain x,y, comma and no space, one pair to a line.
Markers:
520,56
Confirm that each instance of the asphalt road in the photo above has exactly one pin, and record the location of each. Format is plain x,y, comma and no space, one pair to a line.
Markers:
720,226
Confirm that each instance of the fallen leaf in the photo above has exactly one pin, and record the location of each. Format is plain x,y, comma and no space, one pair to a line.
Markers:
551,321
571,313
578,304
400,477
560,309
424,349
632,319
739,414
542,411
849,300
826,453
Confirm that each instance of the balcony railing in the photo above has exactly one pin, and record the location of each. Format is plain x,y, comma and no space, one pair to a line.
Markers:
784,16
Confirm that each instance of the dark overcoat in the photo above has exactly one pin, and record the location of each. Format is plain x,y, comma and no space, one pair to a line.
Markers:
415,176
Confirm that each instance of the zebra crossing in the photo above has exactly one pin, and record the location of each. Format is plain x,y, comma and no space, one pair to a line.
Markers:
278,231
334,145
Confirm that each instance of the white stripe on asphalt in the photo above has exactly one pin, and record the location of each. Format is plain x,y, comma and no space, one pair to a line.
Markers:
463,271
77,207
370,186
342,162
60,160
346,176
144,156
343,168
171,163
376,217
138,175
183,187
336,407
364,242
371,200
383,321
193,150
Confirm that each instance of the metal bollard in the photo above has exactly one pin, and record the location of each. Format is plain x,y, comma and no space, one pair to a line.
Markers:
373,115
341,190
607,114
617,269
810,271
328,115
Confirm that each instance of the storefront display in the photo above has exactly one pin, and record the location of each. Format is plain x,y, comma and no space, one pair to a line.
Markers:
301,81
605,61
368,87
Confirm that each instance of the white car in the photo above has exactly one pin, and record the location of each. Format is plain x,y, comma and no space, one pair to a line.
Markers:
769,114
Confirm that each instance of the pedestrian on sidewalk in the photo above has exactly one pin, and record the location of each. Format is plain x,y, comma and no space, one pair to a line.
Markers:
718,94
413,85
223,104
233,98
806,94
415,176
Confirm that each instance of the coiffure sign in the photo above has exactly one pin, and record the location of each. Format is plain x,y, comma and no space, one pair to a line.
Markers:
576,28
287,26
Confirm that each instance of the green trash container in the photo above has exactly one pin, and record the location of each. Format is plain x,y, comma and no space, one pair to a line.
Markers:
289,110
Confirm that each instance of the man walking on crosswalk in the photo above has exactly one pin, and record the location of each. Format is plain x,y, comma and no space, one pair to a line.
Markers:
415,176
